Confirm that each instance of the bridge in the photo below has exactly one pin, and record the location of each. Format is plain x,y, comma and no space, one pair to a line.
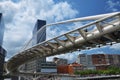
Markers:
106,32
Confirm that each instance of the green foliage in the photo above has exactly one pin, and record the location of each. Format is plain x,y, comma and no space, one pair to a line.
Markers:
109,71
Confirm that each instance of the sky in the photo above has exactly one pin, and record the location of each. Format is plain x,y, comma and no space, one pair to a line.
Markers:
20,17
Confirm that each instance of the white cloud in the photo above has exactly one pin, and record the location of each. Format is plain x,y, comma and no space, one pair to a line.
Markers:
9,10
112,5
20,19
115,46
54,31
71,57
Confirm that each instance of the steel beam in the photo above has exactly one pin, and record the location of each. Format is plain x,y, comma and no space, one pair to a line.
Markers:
70,38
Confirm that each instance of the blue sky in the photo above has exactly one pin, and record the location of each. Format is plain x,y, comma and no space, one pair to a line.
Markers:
20,17
87,7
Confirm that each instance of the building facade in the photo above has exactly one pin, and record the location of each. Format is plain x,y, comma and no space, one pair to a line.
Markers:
48,67
69,69
86,61
113,59
98,61
2,60
2,50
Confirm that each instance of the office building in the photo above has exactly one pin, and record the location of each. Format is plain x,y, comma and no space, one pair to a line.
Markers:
39,35
39,32
39,64
2,50
2,28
